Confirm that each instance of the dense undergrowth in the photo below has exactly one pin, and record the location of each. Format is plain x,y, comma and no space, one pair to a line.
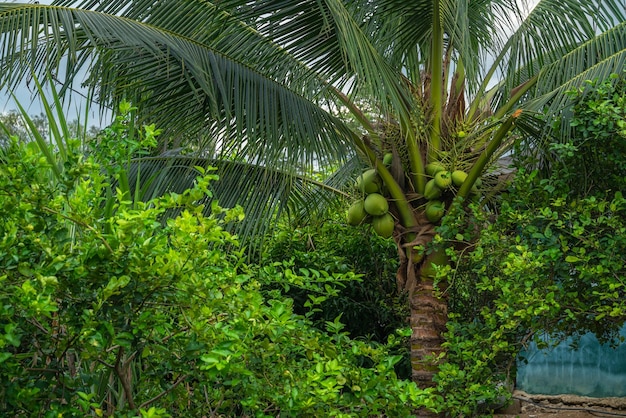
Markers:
110,305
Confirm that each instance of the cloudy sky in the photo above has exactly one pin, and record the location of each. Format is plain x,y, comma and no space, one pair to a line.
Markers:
24,94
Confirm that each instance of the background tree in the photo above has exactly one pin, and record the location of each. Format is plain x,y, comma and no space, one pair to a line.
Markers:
14,125
446,82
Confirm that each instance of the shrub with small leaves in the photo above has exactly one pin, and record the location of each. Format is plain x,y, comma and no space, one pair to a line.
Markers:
550,263
549,258
110,307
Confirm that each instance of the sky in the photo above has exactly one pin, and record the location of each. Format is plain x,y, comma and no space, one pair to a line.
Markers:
22,93
25,96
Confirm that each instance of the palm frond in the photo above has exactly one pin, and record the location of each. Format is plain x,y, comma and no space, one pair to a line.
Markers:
325,36
179,82
595,59
553,29
314,200
264,193
472,28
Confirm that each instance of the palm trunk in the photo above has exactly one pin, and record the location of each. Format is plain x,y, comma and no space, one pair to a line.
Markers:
428,320
428,310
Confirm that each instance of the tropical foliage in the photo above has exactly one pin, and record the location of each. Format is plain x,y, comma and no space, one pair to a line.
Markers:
117,309
550,263
262,86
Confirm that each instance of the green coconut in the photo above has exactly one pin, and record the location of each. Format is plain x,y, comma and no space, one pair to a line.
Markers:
388,159
443,179
435,210
383,225
375,204
431,191
356,213
368,182
434,167
458,177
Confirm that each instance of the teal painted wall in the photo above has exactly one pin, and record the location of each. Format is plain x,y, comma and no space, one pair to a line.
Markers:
593,369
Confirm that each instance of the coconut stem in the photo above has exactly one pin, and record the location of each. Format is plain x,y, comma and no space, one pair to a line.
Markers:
399,199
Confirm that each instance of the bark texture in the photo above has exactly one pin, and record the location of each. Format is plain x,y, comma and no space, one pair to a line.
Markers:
429,314
428,310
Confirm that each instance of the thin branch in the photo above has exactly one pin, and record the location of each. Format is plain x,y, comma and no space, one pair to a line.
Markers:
110,366
38,325
81,223
165,392
120,371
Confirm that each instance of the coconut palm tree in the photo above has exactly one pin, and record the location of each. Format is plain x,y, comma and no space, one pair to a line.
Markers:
262,88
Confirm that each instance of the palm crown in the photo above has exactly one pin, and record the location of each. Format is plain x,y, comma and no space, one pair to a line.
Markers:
263,80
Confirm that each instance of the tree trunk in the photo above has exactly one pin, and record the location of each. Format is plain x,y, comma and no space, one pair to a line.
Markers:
428,309
429,314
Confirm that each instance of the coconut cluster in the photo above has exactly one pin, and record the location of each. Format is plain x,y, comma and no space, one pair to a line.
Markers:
441,180
372,206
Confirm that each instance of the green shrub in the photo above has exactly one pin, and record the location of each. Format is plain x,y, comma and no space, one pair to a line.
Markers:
371,307
586,151
594,159
110,308
550,263
547,260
